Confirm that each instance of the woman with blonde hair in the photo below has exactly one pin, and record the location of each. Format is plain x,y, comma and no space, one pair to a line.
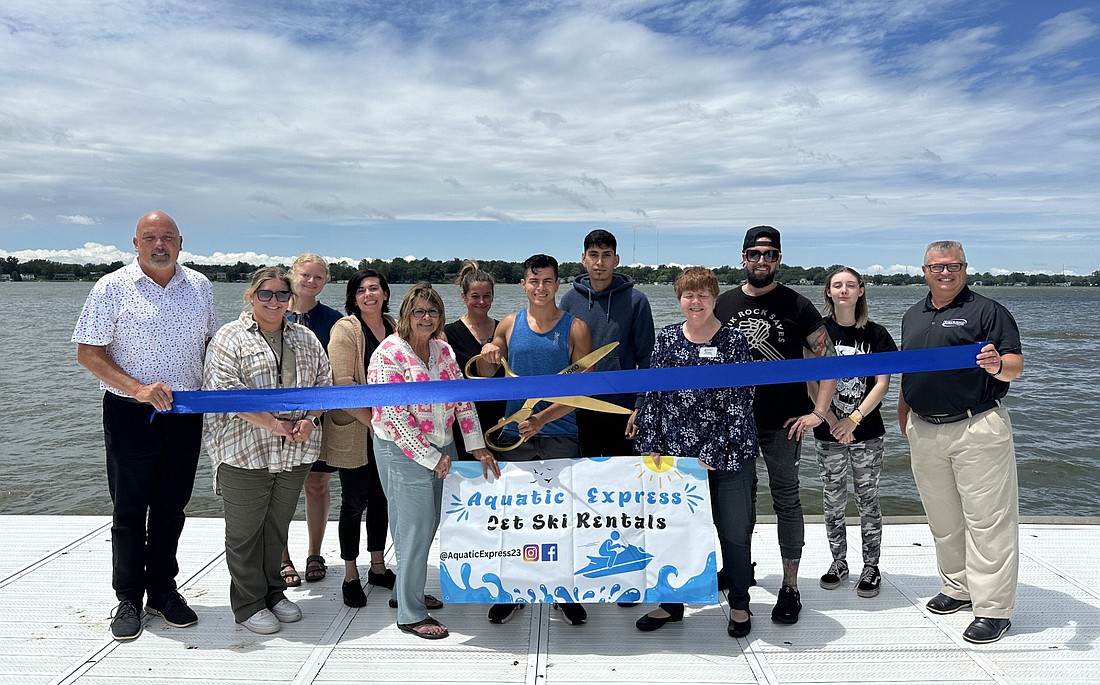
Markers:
851,437
308,276
469,333
260,459
414,446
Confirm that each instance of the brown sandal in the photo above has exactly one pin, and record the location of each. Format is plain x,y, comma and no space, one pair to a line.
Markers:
289,575
315,568
412,628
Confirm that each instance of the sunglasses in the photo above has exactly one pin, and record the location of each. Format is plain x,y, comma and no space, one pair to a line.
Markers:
769,256
266,295
952,267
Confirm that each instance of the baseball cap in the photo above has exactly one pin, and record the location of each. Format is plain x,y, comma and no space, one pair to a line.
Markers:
754,236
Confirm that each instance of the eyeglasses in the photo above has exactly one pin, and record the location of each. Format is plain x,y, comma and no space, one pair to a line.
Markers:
769,256
266,295
421,313
950,266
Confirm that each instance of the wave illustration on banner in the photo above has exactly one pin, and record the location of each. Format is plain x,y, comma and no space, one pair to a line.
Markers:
608,529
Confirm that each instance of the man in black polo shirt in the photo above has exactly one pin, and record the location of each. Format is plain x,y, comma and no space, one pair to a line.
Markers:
960,438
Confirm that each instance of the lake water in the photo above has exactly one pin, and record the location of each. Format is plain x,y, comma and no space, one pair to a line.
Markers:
53,450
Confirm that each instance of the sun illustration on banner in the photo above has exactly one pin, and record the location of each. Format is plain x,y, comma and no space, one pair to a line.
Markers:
664,472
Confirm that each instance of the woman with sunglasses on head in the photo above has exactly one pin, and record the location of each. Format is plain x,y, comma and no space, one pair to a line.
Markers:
308,276
852,436
347,440
414,446
469,334
261,459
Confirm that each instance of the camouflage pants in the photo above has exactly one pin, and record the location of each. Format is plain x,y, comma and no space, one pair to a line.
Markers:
865,459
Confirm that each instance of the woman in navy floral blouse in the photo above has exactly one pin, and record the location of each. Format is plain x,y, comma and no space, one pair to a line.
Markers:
715,425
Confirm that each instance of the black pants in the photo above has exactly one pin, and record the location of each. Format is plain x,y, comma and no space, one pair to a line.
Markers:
361,491
151,473
602,434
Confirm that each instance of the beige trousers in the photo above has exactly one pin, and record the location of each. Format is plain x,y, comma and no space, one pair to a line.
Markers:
966,475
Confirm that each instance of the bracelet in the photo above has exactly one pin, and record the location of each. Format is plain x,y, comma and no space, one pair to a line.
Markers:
1000,368
823,420
861,414
852,419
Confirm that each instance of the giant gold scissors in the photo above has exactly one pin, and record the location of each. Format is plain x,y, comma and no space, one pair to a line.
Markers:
580,366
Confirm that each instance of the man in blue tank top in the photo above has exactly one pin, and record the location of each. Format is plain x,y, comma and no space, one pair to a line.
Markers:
539,340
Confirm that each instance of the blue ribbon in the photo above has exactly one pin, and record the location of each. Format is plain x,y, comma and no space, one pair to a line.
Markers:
581,384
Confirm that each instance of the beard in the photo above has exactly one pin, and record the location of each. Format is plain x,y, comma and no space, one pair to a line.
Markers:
757,280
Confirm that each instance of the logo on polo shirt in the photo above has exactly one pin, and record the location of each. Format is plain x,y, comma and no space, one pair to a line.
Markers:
953,323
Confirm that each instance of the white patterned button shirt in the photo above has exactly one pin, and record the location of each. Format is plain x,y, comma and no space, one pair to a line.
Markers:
154,334
238,359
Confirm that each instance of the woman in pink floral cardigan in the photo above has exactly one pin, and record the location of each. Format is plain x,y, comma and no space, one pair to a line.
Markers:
414,447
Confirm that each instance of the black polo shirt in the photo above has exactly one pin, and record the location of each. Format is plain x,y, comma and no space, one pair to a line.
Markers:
970,318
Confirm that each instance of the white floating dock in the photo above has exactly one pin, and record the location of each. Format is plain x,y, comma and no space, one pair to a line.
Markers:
56,598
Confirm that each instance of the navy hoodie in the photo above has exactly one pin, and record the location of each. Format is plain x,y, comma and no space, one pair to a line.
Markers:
619,313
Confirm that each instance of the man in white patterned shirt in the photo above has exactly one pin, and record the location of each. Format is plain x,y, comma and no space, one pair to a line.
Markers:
143,333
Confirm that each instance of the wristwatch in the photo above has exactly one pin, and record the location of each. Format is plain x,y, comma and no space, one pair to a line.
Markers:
316,420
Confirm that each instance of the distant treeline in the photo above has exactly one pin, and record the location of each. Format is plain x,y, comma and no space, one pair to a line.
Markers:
404,271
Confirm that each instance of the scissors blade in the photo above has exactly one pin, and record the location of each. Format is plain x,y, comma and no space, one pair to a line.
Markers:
589,403
589,360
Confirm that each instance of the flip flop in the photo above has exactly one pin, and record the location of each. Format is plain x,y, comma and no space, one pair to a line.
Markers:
412,628
291,577
315,568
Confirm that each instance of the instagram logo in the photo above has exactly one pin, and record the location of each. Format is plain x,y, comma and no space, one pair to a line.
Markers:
530,552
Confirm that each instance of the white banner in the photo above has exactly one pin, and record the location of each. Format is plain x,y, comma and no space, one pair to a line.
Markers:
609,529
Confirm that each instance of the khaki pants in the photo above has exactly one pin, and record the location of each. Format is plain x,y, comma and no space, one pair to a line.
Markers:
966,475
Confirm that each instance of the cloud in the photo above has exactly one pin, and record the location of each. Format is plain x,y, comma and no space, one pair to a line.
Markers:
496,215
78,219
551,120
1057,35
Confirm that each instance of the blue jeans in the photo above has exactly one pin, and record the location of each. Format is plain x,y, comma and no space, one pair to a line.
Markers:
781,458
414,496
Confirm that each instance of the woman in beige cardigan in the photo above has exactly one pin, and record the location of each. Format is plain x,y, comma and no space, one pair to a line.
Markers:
346,434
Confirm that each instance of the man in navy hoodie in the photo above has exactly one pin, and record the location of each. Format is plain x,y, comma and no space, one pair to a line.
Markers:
615,312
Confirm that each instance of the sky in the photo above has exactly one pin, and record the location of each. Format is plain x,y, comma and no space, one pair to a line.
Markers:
861,129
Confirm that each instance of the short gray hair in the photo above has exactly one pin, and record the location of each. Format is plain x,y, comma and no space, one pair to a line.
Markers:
947,246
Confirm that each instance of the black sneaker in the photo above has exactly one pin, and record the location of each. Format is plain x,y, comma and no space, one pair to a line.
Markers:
869,582
354,597
126,621
787,606
836,574
386,579
175,611
573,613
502,613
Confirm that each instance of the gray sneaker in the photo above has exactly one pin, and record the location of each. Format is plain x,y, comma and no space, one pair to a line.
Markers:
836,574
126,621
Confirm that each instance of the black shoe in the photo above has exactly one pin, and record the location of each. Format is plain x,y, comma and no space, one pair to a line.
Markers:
787,606
723,585
836,574
354,596
649,623
175,611
739,628
431,603
386,579
942,604
984,630
573,613
126,621
869,582
502,613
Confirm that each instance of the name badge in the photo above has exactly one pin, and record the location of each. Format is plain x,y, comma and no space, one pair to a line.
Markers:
708,352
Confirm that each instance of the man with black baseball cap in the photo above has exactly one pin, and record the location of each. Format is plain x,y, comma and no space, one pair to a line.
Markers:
780,324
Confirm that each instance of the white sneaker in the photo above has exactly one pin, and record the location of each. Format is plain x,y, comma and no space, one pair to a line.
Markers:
262,622
287,611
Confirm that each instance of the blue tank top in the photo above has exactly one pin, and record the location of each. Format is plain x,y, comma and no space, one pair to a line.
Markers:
540,354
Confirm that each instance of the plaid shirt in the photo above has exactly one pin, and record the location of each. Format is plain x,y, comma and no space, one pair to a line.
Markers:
238,359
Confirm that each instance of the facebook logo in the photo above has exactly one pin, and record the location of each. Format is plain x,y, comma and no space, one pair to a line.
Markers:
550,552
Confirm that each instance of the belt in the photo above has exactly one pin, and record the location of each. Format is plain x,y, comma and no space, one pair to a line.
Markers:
940,419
